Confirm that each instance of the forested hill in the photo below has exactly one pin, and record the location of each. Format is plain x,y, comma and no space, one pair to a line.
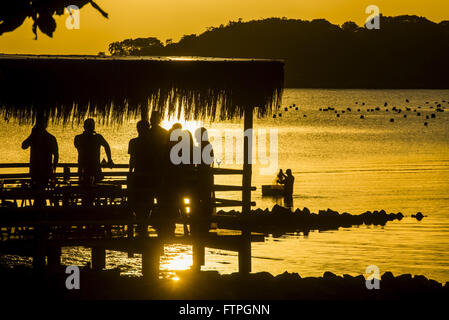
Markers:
406,52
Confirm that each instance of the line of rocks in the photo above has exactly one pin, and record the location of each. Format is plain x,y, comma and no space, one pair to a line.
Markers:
280,218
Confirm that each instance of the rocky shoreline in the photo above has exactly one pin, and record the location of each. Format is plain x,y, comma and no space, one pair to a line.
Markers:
20,283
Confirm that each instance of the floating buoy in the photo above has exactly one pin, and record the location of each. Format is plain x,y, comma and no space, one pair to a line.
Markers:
280,114
406,100
418,114
362,117
363,103
358,110
296,108
338,115
433,115
274,116
425,123
385,104
391,120
405,116
285,109
427,117
305,116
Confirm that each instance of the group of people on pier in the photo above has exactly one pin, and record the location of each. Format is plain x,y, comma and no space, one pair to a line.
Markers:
157,188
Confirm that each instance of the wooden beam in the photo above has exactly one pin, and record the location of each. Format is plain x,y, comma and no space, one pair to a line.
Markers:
223,171
59,165
245,251
219,187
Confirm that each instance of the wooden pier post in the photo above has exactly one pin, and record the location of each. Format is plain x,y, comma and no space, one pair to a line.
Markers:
151,259
54,256
198,252
98,258
39,248
245,251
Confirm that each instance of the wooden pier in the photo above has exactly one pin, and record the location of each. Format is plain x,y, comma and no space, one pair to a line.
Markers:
108,224
114,89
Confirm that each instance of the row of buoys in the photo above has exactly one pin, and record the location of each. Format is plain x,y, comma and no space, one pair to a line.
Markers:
286,109
439,108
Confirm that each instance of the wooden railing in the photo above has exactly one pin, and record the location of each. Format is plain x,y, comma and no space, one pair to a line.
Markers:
110,174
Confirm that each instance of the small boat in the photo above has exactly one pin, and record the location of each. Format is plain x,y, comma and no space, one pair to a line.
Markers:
272,190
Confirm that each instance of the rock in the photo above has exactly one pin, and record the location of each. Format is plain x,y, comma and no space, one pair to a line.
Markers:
330,276
262,276
287,277
404,277
419,216
306,210
387,276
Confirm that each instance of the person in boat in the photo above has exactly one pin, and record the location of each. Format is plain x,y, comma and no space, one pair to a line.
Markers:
288,181
280,177
88,145
203,195
141,189
44,157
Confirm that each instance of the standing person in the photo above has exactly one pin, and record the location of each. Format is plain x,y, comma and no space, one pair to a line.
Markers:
288,182
280,177
44,157
158,144
181,175
204,193
88,144
140,180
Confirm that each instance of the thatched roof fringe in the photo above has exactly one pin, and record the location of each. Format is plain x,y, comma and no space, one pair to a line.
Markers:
70,89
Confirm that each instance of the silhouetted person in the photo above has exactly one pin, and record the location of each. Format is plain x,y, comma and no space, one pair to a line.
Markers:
140,155
288,181
158,144
181,176
204,193
141,181
280,176
44,157
88,144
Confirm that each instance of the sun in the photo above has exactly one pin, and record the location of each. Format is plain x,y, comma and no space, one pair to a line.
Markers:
190,125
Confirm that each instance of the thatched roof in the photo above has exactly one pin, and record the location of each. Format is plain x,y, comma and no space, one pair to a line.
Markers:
69,88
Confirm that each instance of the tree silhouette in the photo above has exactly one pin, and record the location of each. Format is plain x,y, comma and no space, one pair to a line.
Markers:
406,52
14,12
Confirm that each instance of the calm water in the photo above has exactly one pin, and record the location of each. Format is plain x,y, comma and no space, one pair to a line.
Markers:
346,164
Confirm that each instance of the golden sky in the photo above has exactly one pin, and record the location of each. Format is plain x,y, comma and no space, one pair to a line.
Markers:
170,19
